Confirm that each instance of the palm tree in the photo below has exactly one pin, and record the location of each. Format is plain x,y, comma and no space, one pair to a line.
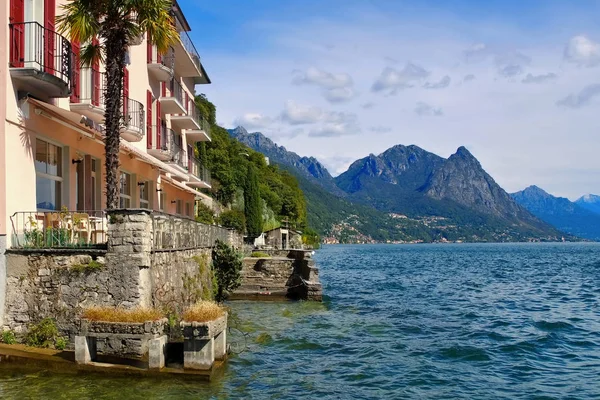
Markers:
106,28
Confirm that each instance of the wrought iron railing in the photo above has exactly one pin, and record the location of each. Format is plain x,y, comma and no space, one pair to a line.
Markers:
59,229
177,232
133,115
154,57
91,87
196,114
196,168
34,46
188,45
163,139
179,156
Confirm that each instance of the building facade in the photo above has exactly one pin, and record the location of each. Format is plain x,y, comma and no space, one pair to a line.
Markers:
51,130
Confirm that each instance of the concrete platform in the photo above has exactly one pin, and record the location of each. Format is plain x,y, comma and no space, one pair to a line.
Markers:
21,357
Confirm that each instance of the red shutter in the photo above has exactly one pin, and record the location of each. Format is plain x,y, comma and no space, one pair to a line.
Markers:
96,88
125,90
17,33
148,49
163,87
76,88
190,152
159,131
149,131
49,17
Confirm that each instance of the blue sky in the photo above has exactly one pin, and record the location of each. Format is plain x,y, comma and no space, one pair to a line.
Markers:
516,82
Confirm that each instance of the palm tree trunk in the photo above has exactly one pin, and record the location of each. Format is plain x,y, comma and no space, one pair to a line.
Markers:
116,47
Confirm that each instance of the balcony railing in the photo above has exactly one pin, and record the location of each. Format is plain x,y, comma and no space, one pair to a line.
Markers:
133,115
179,156
188,45
34,46
173,89
163,138
196,168
59,229
154,57
176,232
90,88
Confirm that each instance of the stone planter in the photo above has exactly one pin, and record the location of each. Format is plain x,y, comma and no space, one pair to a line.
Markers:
204,342
123,339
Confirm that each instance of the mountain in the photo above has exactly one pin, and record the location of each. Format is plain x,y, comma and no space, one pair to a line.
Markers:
560,212
590,202
412,181
308,167
406,194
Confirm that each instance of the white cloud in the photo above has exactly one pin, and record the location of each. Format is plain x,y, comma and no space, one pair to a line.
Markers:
469,77
392,80
297,114
476,53
253,121
426,110
380,129
583,98
542,78
368,106
582,51
441,84
323,79
339,95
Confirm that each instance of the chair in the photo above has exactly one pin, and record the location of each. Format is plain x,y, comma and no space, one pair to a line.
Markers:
79,224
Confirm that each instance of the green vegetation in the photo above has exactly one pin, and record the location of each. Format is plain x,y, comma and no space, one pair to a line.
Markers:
9,337
227,266
204,214
92,266
252,205
42,334
61,343
233,167
259,254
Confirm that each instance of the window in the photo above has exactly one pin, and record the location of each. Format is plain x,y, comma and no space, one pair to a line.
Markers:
48,179
178,207
188,210
94,182
162,200
144,194
125,190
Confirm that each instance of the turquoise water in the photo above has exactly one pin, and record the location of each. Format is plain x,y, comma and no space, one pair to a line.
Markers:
498,321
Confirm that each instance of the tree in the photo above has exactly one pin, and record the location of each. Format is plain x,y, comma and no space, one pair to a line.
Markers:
227,267
106,28
252,204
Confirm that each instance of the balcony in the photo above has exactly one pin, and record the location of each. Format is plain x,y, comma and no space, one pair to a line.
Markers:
198,174
160,67
199,135
161,141
40,60
187,60
190,120
179,159
171,98
132,120
87,96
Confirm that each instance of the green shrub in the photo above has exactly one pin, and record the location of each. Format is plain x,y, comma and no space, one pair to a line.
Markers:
61,343
233,219
89,267
204,214
227,265
259,254
42,334
8,337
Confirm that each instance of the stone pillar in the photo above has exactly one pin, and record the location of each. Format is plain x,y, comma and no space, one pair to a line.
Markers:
199,353
85,349
221,345
157,350
129,246
2,278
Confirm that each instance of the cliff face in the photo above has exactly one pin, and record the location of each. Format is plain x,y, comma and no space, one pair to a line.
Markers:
590,202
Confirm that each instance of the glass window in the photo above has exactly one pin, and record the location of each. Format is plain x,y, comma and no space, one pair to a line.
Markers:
178,207
94,183
162,200
48,182
144,195
125,190
188,211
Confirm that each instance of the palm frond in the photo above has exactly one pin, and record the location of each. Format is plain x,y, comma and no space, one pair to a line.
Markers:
154,17
91,52
79,19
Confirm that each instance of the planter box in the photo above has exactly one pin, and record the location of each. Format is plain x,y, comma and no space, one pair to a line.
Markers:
204,342
122,339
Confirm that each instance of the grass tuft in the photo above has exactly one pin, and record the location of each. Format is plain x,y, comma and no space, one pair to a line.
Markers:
203,311
119,314
260,254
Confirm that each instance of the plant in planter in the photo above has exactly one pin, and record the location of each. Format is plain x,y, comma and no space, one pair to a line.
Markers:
204,327
121,332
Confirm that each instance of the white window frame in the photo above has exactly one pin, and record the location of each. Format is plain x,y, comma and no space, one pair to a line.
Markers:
144,203
122,195
56,178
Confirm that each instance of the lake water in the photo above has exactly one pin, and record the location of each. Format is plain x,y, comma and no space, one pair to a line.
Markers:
469,321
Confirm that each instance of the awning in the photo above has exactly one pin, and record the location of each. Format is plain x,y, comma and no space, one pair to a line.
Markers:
170,181
83,125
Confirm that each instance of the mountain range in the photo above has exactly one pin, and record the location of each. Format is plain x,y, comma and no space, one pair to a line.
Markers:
570,217
406,193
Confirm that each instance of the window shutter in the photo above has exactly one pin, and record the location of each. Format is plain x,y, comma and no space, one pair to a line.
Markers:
125,93
17,33
159,138
149,131
49,43
97,96
76,84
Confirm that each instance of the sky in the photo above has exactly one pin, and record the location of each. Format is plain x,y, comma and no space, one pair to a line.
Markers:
516,82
